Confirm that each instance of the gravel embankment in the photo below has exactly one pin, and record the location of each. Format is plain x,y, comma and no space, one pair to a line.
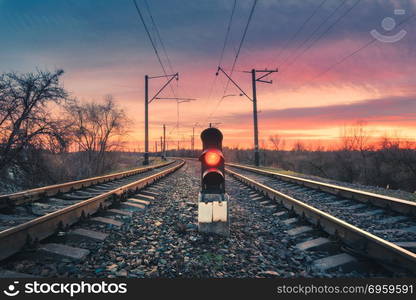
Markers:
382,223
32,210
372,189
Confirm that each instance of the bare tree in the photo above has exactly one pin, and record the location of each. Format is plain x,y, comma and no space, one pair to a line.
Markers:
355,137
26,120
277,142
298,146
96,130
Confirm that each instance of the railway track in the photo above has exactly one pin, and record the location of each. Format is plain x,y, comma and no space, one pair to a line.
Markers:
368,225
31,216
133,228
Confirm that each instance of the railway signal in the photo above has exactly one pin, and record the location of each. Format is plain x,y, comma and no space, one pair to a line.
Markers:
213,201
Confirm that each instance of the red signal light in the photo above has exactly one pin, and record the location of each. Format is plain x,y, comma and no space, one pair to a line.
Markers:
212,158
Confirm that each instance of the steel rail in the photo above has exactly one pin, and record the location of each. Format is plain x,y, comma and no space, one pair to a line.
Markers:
12,240
395,204
361,241
31,195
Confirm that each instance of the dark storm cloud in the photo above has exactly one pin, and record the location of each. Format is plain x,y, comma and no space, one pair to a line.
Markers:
96,28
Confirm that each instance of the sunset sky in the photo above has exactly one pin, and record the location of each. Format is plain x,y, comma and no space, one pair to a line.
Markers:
328,78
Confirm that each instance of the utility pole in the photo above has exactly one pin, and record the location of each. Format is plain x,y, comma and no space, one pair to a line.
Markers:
193,140
161,146
164,141
146,108
254,81
178,101
177,121
256,128
193,137
146,120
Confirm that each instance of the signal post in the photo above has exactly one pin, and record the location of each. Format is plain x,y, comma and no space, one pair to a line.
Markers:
212,200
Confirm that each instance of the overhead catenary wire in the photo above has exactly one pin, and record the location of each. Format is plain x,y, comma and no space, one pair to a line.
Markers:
241,43
162,44
293,37
324,33
227,34
230,21
167,59
362,47
236,55
150,37
295,51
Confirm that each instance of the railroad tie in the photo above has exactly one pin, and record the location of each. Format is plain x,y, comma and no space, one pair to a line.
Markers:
280,213
290,221
148,193
370,213
144,197
12,274
139,201
314,244
407,245
343,261
299,230
64,251
90,234
132,206
354,207
120,212
271,206
391,220
397,230
107,221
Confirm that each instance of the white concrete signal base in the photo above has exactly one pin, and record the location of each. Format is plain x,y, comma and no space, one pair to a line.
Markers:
213,214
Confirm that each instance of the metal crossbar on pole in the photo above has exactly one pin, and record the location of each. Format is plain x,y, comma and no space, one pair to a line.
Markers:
146,109
253,99
179,100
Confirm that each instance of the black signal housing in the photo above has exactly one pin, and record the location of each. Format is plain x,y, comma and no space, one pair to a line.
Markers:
212,162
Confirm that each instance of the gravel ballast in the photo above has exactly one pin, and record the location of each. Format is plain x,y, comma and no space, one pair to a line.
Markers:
163,241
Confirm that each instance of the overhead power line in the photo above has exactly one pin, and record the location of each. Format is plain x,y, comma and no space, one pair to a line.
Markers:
150,37
323,33
227,34
293,37
161,42
295,51
159,36
362,47
241,43
236,56
230,21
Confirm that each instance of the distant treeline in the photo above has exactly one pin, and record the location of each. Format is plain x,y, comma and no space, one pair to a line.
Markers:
47,137
391,163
